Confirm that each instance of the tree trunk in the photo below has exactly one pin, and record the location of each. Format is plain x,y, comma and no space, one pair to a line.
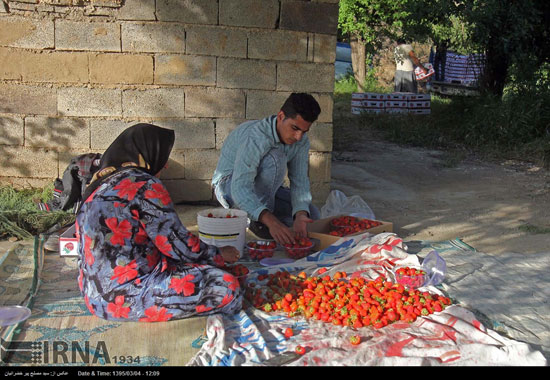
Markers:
496,69
359,62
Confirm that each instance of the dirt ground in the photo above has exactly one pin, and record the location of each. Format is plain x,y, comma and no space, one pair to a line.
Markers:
494,207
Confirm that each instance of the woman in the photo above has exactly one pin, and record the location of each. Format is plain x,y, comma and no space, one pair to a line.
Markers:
137,261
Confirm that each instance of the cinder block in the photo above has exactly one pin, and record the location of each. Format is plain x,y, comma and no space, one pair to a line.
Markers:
192,70
214,102
176,166
201,164
156,102
305,77
28,162
26,33
223,128
185,190
320,137
158,37
28,100
326,103
324,48
143,10
244,73
319,166
11,130
53,67
249,13
218,41
80,101
95,36
191,133
320,192
57,133
306,16
278,45
188,11
118,68
260,104
104,132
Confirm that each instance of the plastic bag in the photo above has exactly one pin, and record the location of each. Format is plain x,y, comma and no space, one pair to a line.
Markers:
338,204
436,268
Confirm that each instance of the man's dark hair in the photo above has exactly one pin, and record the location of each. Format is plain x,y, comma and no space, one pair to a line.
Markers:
301,104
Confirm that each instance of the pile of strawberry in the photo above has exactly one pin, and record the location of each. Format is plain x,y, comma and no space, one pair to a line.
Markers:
261,249
347,225
355,302
301,248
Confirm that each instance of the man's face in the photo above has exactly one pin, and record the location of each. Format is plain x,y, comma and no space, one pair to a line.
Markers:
291,130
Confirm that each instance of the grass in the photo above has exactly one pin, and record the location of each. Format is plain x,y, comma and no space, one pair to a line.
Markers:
516,127
19,215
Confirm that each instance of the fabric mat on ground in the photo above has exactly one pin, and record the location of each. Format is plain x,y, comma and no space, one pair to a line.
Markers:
62,325
457,336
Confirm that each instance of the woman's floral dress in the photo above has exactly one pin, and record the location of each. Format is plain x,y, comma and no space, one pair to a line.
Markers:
138,262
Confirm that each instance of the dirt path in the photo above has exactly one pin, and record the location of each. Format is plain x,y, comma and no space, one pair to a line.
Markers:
493,207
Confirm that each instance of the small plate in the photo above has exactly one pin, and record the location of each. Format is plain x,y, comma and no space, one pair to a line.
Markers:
271,261
10,315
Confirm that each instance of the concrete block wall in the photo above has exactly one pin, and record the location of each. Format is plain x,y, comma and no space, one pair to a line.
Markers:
75,73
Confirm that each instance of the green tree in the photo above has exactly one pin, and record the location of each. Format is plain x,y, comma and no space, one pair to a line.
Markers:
368,23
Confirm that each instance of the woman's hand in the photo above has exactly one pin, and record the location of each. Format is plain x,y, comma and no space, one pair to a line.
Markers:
230,254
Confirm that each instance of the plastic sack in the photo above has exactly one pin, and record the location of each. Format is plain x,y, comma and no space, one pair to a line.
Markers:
435,267
338,204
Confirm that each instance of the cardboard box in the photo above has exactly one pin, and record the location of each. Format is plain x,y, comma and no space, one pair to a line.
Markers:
360,110
420,75
320,229
395,104
367,96
68,243
397,96
420,104
397,110
373,104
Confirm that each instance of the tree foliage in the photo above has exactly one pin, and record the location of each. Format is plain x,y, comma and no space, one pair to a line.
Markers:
514,35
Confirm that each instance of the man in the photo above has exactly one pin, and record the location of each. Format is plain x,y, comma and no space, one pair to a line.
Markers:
405,60
252,167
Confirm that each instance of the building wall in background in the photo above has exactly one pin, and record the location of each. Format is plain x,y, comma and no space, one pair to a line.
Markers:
75,73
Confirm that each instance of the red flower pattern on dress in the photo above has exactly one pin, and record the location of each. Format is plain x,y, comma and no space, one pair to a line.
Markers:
141,236
202,308
120,230
162,244
156,314
194,243
127,188
88,305
81,279
218,261
87,250
125,273
233,282
117,309
228,298
160,192
183,285
153,258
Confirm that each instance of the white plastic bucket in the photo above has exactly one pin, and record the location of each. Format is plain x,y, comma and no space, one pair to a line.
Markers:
219,230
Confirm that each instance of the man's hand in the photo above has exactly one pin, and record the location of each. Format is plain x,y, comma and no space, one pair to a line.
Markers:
279,232
230,254
301,221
